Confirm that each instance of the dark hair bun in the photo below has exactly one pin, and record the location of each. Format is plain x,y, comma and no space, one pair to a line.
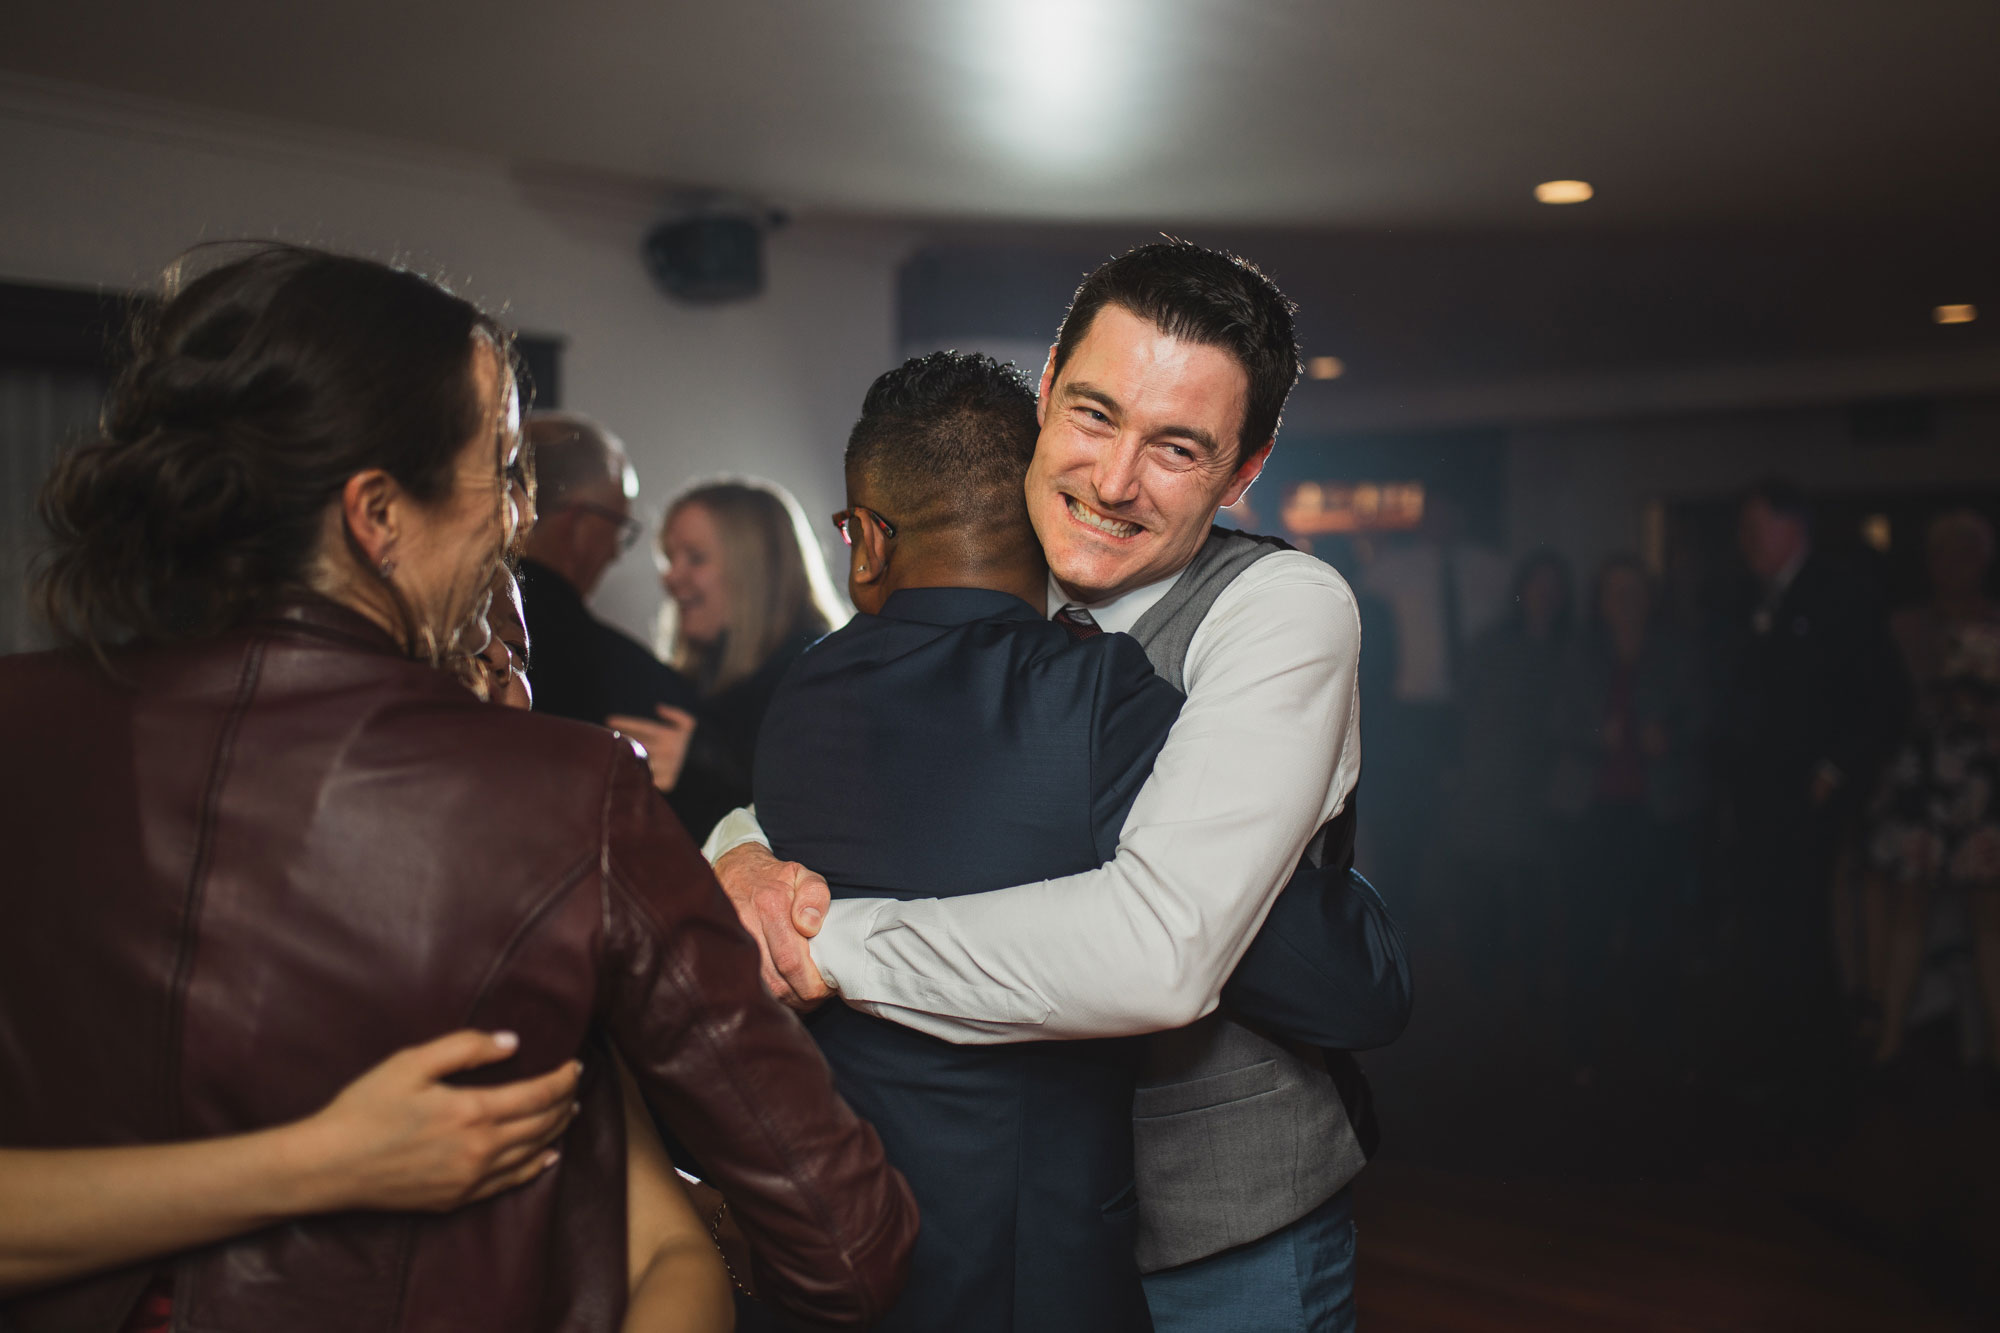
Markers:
255,390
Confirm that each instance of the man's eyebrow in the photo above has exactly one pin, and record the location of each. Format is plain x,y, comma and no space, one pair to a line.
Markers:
1193,434
1084,389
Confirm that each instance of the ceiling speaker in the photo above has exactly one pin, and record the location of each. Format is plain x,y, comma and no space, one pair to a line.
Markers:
708,259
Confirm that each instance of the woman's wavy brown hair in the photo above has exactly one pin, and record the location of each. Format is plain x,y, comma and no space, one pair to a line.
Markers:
256,387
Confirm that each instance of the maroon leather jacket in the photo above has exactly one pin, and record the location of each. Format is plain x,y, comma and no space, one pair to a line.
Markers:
252,867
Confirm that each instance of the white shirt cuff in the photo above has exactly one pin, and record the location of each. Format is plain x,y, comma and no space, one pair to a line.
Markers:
732,831
841,947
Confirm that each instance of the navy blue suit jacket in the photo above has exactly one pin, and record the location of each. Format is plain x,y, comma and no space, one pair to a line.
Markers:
956,743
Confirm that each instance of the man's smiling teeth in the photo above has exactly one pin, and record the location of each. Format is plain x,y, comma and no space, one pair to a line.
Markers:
1083,513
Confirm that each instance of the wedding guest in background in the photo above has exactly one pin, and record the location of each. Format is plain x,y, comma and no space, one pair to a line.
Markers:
584,668
1631,726
1935,826
1815,706
250,779
1446,585
1499,858
749,590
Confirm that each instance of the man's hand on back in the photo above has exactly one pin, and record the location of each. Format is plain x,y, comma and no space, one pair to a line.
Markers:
782,905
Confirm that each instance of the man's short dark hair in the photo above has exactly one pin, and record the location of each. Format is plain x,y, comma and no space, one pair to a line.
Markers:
946,440
1201,296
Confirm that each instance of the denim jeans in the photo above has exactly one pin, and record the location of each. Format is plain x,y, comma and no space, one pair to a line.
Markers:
1298,1280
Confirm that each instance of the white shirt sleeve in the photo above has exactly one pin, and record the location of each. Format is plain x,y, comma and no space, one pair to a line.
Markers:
1265,751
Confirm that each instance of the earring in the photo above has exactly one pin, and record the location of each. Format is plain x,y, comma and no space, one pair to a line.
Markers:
388,568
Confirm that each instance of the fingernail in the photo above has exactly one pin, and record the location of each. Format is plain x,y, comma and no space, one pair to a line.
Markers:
507,1041
550,1160
579,1067
810,916
576,1108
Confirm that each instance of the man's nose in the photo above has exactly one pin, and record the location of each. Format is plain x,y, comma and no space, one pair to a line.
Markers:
1116,476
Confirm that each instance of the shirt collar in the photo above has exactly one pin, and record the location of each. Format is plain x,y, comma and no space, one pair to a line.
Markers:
954,606
1117,615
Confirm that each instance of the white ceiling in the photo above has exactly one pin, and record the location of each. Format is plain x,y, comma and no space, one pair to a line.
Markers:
1429,113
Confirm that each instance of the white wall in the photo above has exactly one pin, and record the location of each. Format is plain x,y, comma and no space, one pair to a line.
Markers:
102,191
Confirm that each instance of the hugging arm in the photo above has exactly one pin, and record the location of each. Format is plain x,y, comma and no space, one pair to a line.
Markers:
1327,967
395,1138
1259,759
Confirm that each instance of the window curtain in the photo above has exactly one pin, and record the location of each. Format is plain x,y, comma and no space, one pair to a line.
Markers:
41,410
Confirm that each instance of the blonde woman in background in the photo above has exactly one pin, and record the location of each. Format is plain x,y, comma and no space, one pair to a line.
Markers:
748,591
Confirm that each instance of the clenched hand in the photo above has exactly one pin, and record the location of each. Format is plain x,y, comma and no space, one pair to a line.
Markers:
782,905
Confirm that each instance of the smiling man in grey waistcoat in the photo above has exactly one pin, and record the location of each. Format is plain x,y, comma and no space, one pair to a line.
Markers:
1159,405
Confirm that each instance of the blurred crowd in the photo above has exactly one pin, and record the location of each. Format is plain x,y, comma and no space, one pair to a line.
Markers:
1748,835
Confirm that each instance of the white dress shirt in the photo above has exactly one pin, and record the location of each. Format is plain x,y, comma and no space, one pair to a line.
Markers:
1265,751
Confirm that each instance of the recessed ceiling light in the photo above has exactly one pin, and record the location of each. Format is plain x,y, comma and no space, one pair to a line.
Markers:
1326,367
1955,314
1563,192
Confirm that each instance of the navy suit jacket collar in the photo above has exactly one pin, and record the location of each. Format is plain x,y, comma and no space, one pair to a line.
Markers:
956,606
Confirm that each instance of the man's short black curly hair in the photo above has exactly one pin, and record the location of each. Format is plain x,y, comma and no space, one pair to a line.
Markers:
945,440
1204,296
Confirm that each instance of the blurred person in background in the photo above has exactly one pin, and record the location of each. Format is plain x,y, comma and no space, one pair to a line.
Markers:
584,668
1497,819
1935,827
748,591
1631,726
1817,702
1444,588
246,775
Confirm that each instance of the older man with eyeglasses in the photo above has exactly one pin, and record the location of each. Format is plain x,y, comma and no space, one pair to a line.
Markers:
582,667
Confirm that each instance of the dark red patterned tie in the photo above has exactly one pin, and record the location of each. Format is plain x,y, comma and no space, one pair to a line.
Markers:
1078,622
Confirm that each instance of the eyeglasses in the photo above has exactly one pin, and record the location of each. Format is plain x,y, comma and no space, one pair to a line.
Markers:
847,516
629,529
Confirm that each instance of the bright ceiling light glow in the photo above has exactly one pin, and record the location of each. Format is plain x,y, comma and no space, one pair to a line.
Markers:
1955,314
1326,367
1055,81
1563,192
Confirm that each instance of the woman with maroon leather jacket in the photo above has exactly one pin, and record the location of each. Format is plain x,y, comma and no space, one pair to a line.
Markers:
259,842
398,1137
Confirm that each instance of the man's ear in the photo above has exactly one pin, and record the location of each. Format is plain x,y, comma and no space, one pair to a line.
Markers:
1048,382
1246,472
869,562
369,503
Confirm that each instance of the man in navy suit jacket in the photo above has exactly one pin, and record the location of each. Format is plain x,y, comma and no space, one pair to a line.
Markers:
952,739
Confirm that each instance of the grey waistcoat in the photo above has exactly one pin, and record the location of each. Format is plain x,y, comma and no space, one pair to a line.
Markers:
1236,1135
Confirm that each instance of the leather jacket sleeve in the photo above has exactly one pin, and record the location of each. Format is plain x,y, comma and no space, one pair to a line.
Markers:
737,1078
